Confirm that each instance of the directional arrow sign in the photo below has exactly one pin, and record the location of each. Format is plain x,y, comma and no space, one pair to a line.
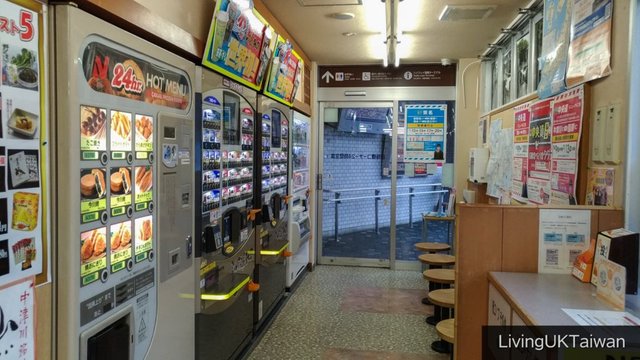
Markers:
327,76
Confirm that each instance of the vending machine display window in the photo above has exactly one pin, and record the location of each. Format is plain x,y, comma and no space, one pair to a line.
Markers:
276,128
231,119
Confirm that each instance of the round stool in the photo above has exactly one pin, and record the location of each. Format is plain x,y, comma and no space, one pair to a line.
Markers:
432,247
440,276
446,331
441,299
435,261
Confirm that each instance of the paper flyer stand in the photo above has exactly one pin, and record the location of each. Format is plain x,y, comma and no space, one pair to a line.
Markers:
24,150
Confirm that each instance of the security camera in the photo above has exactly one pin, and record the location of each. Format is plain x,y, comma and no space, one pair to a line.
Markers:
445,62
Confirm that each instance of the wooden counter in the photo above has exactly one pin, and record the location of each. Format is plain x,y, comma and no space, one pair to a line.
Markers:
538,299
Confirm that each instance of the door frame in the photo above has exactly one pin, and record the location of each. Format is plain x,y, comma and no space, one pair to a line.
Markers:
370,95
353,261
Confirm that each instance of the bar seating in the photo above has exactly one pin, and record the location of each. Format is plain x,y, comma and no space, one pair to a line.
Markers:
446,331
432,247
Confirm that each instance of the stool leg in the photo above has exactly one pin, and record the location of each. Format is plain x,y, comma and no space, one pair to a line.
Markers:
436,317
441,346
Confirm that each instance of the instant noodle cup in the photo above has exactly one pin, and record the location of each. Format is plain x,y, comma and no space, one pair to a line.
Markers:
25,211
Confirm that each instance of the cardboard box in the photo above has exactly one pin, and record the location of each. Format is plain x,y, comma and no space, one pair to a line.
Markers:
620,246
583,265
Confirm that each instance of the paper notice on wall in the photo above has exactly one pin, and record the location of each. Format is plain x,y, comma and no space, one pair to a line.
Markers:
18,319
556,34
563,235
23,142
590,49
600,186
538,185
520,164
567,112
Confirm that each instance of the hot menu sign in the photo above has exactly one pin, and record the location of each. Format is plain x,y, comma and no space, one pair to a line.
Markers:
240,43
114,72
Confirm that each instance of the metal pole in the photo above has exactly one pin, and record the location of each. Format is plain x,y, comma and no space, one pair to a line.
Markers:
377,199
335,222
411,208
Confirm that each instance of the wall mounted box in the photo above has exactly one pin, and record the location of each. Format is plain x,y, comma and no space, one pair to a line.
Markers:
612,134
597,150
478,158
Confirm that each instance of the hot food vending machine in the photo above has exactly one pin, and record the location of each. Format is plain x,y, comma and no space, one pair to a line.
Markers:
274,119
124,123
226,222
299,225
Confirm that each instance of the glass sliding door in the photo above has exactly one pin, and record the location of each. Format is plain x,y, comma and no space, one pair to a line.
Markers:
423,179
355,206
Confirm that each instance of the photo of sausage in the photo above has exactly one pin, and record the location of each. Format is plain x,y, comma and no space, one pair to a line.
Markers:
144,179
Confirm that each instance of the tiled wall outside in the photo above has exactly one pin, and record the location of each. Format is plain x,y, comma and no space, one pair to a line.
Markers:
355,161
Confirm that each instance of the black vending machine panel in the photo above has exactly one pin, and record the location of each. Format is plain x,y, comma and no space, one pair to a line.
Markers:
226,225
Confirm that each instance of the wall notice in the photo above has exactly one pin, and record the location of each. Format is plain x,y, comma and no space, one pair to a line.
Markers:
539,163
520,153
23,142
18,319
563,235
565,138
425,133
590,49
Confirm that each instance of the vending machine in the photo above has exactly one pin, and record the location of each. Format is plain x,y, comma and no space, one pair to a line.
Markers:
124,126
225,248
274,119
299,224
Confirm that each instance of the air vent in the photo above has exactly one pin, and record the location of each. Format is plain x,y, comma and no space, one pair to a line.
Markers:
466,12
329,2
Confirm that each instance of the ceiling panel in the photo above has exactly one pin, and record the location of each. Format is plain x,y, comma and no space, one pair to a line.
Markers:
425,39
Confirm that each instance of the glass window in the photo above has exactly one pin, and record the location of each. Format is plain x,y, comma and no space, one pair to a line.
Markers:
506,76
494,84
522,56
538,48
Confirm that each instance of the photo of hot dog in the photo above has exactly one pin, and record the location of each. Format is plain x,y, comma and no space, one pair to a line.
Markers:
143,179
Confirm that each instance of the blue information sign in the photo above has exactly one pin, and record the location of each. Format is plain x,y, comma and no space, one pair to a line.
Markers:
425,133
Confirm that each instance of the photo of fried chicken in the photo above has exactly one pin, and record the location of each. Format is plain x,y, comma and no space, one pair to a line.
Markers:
121,238
94,245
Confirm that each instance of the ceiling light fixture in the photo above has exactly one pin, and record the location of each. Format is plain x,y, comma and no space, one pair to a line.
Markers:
342,16
392,36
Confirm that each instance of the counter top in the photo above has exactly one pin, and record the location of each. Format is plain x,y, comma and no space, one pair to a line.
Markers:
539,298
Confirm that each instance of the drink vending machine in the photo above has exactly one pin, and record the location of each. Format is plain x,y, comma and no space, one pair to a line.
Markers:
124,172
226,178
273,242
299,224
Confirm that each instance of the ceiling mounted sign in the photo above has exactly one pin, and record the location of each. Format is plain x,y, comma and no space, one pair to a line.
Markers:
376,76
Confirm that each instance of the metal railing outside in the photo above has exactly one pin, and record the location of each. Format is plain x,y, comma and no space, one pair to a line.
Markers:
337,200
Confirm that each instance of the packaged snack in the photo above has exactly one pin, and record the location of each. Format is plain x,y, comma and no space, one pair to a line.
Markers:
25,211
